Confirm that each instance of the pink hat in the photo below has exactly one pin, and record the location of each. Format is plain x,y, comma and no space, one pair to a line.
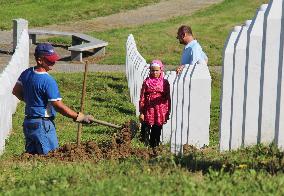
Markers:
157,63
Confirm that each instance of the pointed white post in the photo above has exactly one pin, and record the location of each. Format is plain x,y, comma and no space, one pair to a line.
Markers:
252,88
270,64
226,95
238,88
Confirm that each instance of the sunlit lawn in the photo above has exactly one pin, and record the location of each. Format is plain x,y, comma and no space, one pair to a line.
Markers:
256,170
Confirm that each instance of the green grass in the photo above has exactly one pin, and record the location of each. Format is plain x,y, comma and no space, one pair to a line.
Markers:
210,26
44,12
257,170
215,108
131,178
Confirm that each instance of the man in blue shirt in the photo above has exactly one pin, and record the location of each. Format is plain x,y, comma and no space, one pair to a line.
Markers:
192,51
41,95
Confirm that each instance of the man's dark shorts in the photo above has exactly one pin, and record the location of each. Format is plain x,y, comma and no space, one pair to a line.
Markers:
40,135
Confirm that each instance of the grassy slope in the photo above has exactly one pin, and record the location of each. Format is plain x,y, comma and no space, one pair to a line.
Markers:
244,171
253,171
210,26
131,178
40,13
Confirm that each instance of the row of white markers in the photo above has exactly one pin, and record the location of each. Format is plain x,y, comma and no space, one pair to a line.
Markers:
190,95
8,78
252,101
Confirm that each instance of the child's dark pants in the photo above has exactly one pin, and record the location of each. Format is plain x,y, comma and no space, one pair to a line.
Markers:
154,132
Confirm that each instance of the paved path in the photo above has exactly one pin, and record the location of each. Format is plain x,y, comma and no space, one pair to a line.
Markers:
71,68
161,11
152,13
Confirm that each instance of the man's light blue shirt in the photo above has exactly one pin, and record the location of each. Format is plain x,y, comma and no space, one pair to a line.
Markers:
192,53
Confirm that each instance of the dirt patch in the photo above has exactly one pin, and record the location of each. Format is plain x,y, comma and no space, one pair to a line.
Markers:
119,147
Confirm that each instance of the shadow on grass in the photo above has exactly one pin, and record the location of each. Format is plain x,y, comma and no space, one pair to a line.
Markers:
119,88
258,158
111,77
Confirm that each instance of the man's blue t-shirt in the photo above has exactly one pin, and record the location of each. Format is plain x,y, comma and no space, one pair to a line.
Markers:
192,53
39,90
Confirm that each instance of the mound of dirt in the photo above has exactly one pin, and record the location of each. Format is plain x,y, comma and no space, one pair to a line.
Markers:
118,148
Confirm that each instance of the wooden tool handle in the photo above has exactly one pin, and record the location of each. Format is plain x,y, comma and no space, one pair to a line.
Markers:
82,103
107,124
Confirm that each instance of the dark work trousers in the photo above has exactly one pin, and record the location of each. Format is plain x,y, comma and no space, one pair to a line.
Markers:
150,134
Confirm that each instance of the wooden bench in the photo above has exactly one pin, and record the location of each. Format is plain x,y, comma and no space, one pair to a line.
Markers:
80,43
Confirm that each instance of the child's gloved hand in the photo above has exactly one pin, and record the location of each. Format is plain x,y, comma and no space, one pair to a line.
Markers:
141,117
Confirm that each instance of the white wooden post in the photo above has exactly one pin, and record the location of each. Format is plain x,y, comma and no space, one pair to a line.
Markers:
270,64
226,94
279,135
180,136
174,99
167,128
238,88
253,71
199,107
191,112
8,102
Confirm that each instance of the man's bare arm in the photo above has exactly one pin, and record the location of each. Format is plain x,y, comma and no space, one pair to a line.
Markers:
64,109
18,91
68,112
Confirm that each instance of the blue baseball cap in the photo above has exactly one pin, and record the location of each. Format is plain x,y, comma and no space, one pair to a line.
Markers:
46,50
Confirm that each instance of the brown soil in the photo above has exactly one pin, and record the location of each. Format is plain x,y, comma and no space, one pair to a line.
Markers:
118,148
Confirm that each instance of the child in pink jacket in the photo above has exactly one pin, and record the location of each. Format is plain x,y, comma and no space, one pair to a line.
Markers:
154,104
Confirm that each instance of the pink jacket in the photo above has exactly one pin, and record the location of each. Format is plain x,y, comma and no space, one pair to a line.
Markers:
155,104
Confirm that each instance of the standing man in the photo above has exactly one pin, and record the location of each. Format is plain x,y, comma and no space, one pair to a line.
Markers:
192,51
41,95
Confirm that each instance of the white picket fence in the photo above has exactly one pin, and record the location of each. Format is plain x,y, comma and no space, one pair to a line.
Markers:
252,103
8,78
190,95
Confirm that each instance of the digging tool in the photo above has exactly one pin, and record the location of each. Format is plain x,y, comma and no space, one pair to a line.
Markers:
107,124
82,103
132,126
